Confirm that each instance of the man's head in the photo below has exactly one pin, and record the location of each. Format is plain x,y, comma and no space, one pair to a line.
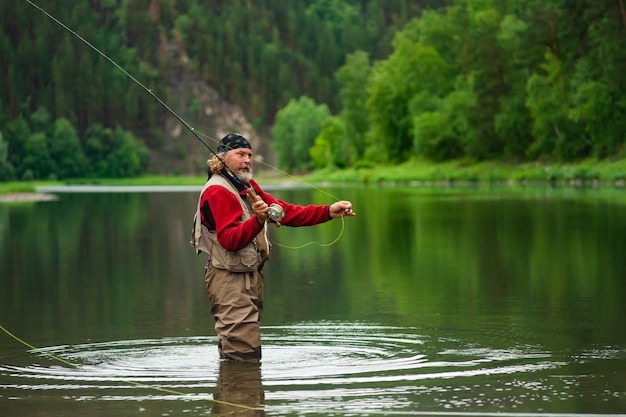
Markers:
235,151
233,141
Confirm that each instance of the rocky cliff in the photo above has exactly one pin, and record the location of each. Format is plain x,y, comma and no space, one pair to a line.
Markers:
203,109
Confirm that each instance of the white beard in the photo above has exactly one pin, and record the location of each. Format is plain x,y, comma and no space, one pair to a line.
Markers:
244,176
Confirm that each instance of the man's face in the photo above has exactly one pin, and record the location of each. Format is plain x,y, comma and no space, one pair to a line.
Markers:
240,162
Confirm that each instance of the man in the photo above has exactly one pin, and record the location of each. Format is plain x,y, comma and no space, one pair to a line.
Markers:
230,226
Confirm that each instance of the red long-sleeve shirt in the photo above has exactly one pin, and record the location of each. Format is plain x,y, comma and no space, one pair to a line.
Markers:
233,234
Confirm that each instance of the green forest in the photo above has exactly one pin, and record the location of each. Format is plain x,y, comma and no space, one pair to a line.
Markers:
337,83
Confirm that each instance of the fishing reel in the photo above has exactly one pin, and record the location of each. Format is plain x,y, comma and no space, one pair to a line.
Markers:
276,213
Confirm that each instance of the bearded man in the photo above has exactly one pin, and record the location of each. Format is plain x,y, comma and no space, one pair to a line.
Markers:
230,226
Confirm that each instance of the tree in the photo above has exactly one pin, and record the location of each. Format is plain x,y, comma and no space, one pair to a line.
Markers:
598,83
98,143
40,120
16,132
353,77
7,173
548,103
486,73
512,121
595,109
412,71
67,155
296,127
37,163
443,133
129,157
329,150
114,153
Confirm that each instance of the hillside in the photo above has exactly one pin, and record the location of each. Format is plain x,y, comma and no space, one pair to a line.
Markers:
202,107
332,85
65,112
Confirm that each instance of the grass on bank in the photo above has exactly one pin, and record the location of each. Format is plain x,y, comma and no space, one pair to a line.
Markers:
17,187
416,171
589,171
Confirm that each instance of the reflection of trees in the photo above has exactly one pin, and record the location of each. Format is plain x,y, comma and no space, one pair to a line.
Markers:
105,262
98,261
422,252
297,278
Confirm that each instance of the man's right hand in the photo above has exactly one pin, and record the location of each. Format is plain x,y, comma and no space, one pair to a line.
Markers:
259,207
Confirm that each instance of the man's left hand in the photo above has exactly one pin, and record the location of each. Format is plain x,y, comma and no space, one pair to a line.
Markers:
341,209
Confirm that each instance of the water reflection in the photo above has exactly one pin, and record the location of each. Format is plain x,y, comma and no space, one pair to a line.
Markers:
312,368
432,301
239,390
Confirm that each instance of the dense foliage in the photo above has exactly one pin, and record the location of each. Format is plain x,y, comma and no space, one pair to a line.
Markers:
480,79
541,79
257,54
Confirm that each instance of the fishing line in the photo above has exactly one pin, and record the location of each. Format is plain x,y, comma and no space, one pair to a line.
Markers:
313,242
119,67
190,128
193,131
139,83
149,91
300,180
128,381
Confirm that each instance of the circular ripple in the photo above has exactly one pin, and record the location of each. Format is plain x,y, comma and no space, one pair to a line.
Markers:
292,354
345,367
156,360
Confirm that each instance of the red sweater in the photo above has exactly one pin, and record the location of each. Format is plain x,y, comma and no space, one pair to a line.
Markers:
233,235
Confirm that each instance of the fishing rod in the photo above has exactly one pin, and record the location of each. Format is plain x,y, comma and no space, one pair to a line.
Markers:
233,178
275,212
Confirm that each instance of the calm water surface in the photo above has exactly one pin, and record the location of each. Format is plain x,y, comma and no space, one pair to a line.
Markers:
434,301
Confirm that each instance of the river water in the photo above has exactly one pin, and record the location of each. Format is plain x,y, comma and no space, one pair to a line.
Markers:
486,300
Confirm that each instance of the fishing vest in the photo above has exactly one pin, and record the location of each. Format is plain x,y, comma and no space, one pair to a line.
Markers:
249,258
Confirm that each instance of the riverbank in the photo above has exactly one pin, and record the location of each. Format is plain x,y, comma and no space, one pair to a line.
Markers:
26,196
12,192
591,172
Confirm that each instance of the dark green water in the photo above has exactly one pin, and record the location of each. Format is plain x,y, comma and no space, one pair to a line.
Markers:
444,301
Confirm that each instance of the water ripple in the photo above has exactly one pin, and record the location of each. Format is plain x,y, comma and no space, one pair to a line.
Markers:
293,355
342,366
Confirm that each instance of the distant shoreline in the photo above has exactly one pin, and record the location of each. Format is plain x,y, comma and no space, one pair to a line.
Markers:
115,188
589,172
26,196
49,192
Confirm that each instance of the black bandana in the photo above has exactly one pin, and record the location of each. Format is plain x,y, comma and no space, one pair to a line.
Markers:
233,141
